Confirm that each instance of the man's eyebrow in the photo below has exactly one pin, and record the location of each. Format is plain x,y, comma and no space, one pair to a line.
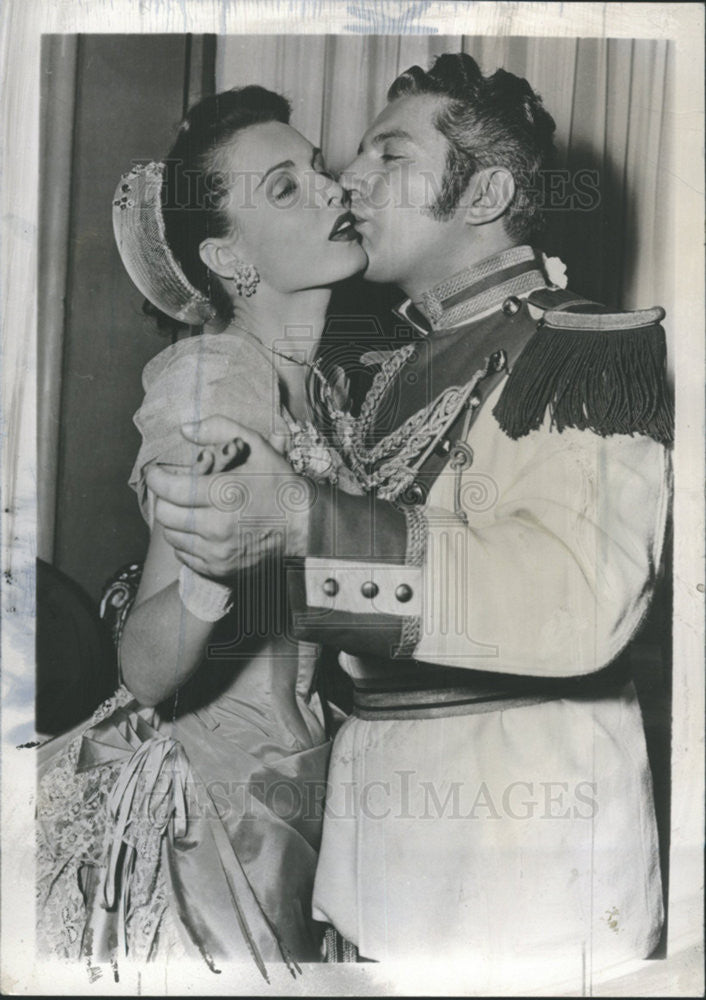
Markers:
392,133
277,166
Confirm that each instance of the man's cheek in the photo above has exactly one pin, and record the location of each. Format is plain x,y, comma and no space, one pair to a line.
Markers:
409,223
380,193
375,237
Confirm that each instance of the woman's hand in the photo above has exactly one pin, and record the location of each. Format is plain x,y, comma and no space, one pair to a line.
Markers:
164,642
224,522
220,458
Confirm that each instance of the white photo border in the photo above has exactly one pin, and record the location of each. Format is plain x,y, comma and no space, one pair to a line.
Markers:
22,23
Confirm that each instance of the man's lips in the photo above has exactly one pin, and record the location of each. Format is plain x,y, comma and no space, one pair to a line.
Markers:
343,228
359,220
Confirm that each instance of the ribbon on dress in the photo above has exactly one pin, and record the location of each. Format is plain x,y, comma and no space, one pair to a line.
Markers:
157,796
117,736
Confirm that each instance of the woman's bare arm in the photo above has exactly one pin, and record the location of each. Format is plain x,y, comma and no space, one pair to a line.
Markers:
162,643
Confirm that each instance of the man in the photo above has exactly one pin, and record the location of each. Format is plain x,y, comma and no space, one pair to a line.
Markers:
490,796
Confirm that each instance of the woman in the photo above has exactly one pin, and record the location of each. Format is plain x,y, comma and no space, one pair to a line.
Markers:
186,818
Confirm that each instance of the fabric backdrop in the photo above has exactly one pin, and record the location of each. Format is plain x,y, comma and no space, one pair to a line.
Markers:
610,99
106,100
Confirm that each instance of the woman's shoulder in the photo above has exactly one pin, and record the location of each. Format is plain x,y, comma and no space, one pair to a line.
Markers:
208,375
201,377
205,376
208,354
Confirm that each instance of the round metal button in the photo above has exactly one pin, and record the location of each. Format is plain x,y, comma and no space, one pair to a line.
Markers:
414,495
403,593
511,306
369,589
330,587
461,455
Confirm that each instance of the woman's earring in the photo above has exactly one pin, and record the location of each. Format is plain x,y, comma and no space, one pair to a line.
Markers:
246,279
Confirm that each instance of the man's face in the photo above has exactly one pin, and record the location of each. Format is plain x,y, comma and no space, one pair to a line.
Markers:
394,182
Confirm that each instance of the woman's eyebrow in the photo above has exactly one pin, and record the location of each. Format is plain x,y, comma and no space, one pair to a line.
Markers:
277,166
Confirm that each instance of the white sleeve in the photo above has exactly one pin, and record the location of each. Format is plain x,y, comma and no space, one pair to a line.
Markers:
555,567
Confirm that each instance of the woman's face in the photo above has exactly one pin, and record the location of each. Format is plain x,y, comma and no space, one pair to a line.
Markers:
289,216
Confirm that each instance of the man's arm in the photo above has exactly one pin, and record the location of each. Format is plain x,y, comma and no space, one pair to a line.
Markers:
549,575
220,524
549,579
541,558
356,589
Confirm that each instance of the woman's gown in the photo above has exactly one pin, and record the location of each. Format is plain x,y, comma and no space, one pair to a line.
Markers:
193,828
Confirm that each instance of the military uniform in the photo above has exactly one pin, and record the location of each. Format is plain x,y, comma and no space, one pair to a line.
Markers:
491,795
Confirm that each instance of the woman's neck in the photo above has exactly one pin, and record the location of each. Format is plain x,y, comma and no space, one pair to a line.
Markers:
288,324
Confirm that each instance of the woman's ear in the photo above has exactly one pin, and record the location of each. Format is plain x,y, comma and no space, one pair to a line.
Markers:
492,191
219,255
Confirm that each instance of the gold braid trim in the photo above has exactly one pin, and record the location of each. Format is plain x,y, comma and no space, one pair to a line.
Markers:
417,530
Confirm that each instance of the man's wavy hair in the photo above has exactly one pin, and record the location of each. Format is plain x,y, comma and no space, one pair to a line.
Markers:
487,121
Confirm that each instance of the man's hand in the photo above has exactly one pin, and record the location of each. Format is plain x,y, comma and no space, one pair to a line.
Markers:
225,522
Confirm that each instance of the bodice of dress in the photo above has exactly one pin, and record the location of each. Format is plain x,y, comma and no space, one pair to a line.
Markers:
255,684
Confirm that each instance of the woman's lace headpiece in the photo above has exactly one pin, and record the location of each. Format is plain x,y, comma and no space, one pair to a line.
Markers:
138,225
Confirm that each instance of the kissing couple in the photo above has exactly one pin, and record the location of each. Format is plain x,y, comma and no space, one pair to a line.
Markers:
477,539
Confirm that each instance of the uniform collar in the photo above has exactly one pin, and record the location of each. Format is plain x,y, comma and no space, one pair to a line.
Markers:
477,291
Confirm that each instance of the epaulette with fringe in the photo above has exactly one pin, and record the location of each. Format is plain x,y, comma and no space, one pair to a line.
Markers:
591,369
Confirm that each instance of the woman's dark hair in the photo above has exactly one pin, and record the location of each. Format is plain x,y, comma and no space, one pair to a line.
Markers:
487,121
194,190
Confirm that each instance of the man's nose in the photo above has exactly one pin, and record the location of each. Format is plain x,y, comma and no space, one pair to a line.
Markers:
351,178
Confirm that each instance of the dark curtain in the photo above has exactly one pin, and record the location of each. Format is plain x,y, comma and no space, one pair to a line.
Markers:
106,100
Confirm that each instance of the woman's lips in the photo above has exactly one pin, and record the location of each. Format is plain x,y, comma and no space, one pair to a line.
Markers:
343,230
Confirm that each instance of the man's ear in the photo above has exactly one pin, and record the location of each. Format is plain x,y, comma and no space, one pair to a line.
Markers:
491,193
219,255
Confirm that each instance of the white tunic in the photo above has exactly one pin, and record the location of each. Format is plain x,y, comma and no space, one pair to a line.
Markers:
530,829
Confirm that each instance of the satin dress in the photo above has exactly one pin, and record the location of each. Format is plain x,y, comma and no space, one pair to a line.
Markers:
192,829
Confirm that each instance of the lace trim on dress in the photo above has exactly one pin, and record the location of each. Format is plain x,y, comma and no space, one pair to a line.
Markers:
74,836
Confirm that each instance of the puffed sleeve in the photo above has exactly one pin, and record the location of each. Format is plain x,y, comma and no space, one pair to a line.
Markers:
194,379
